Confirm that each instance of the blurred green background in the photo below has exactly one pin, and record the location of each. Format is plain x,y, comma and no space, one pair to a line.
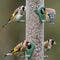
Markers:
53,31
14,32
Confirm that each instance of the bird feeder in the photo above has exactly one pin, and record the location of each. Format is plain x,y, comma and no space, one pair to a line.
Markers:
40,11
30,50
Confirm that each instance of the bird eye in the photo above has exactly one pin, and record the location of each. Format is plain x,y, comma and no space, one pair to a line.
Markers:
52,42
23,8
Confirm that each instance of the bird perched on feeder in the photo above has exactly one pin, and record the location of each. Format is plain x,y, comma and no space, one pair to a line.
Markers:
49,43
21,47
50,15
17,14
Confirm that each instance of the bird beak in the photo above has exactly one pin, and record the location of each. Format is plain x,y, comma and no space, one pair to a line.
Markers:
55,43
28,44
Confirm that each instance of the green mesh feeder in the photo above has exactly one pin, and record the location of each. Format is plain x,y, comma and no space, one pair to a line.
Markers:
30,50
41,12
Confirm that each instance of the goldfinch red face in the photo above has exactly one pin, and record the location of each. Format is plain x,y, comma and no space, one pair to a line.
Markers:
27,42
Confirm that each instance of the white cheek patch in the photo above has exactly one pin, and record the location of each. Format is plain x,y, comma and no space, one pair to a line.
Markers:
49,42
49,45
18,16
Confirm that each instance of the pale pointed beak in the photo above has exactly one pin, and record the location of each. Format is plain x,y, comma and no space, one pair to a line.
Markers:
28,44
55,43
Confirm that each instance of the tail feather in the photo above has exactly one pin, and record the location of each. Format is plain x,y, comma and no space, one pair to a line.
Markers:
7,54
4,25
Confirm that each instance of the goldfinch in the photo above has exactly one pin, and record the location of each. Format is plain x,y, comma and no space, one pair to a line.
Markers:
20,48
16,16
49,43
50,15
